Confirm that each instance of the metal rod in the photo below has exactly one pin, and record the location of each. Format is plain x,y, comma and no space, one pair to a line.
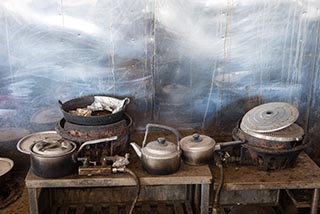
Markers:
216,206
315,201
221,145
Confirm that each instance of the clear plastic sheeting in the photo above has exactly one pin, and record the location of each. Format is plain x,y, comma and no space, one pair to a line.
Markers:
62,49
184,63
226,57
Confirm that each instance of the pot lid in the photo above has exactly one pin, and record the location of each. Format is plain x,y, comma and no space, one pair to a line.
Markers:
160,148
6,165
52,147
269,117
24,144
197,142
291,133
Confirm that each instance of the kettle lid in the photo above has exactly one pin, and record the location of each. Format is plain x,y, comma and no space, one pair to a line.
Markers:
197,142
160,148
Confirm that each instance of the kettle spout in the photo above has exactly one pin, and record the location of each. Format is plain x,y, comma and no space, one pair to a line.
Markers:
137,149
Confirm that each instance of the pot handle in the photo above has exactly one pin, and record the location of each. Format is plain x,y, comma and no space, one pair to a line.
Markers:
221,145
172,130
94,142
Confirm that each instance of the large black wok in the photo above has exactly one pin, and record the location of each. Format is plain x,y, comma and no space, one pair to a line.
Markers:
99,119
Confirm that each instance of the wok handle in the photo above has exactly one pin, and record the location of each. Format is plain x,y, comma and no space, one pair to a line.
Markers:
172,130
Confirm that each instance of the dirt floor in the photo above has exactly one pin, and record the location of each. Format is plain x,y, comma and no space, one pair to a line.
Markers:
20,204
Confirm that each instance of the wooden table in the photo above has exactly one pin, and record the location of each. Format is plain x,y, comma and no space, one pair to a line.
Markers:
187,175
306,175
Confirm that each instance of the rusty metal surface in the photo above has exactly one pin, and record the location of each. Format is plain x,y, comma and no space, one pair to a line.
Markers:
306,175
269,160
268,154
81,133
266,197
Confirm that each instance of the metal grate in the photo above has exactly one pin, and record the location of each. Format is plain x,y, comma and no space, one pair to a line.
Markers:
172,207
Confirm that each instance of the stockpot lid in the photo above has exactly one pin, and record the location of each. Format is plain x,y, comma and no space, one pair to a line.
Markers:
160,148
197,142
269,117
25,143
53,147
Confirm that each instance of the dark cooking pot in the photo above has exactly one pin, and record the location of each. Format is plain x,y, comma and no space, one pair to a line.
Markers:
53,159
52,156
57,158
98,119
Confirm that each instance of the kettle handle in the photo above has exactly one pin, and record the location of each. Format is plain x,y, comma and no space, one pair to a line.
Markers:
172,130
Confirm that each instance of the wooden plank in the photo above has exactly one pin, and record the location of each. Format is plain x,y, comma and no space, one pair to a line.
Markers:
80,209
64,210
33,201
53,210
72,209
128,208
178,207
188,207
204,204
96,208
113,209
162,208
145,208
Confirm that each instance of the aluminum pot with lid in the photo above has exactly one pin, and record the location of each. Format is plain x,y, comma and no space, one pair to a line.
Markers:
159,157
52,156
52,159
199,149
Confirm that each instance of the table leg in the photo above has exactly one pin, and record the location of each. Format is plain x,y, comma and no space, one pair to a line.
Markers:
315,201
33,200
204,204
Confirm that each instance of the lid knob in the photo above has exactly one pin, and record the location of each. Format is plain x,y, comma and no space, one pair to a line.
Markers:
161,140
196,137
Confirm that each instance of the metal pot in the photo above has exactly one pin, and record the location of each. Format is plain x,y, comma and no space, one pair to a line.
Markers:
53,159
199,149
99,119
52,156
159,157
